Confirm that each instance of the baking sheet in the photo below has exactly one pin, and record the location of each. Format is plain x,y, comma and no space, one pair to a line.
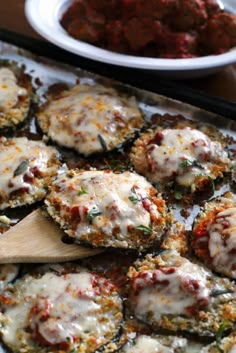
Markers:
50,72
46,72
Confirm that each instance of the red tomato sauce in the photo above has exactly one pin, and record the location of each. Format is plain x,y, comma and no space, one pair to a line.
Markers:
153,28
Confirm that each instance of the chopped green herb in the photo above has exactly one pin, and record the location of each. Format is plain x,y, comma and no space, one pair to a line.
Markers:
144,229
219,335
216,292
186,163
73,348
102,142
134,198
178,195
94,212
82,191
22,167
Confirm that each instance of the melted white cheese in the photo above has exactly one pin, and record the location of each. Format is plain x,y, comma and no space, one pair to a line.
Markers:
13,154
108,193
152,345
170,295
178,146
71,303
222,242
9,90
84,112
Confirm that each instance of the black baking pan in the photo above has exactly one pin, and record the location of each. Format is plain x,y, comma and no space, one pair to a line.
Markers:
138,78
48,66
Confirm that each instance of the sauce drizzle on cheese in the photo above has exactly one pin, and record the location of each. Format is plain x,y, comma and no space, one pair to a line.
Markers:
178,288
222,241
183,154
71,309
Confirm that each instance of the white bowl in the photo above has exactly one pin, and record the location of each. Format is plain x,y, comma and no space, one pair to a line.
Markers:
44,16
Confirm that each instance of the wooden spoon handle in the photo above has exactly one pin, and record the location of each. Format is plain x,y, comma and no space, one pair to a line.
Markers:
37,239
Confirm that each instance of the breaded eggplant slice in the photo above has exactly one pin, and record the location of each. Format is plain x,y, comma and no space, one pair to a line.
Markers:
8,273
224,345
107,209
214,235
170,292
26,169
60,311
185,156
160,344
90,119
15,95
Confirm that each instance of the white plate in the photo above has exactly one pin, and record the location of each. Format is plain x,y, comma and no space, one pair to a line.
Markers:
44,15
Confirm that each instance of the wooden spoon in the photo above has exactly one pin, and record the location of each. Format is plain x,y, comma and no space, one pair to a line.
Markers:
38,239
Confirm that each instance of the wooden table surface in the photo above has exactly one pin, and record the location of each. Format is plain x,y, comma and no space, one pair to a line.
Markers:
222,84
